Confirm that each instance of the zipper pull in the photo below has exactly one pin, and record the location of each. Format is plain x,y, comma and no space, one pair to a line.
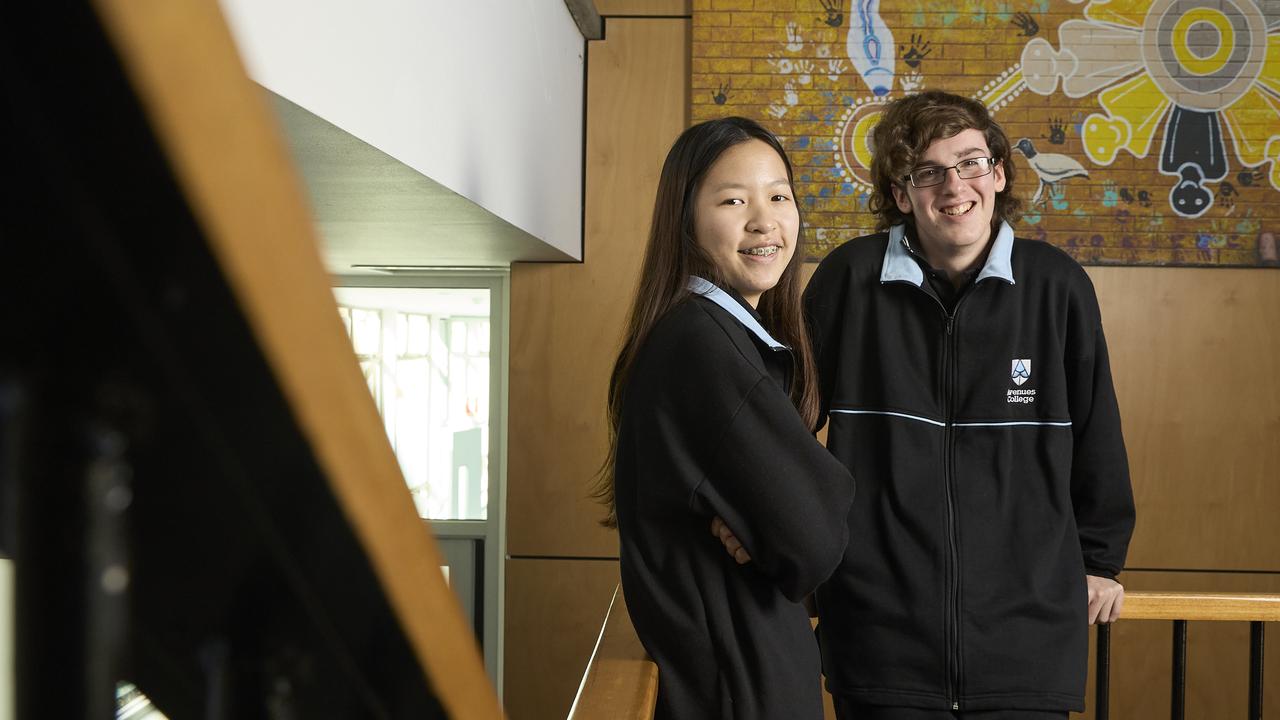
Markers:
955,706
951,320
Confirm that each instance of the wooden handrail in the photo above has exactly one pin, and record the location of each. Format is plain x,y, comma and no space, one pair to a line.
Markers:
1181,607
621,681
1237,607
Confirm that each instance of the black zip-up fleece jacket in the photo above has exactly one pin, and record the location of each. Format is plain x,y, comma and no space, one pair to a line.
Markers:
992,476
707,429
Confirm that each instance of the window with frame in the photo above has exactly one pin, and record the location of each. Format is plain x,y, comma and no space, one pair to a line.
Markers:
425,357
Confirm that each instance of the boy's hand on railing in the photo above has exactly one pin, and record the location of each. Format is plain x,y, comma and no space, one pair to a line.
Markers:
731,544
1106,599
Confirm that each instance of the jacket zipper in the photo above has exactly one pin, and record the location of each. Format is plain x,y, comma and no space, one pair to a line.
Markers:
954,669
949,475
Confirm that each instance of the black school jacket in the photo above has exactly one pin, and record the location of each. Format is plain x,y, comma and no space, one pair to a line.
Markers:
992,476
707,429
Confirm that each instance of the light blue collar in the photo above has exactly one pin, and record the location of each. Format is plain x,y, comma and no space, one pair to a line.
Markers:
900,266
898,263
709,291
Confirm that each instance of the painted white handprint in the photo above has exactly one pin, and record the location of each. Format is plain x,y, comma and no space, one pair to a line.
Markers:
776,110
835,68
805,68
794,42
781,66
790,95
911,82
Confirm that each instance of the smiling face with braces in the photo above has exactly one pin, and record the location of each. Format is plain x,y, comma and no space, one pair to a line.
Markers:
746,219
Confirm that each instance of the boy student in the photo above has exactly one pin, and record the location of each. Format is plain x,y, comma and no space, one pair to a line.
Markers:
964,374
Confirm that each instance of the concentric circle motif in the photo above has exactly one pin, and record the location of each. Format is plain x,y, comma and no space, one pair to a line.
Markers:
853,154
1202,57
1203,39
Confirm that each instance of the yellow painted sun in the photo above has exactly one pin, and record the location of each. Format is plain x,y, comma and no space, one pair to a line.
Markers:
1181,64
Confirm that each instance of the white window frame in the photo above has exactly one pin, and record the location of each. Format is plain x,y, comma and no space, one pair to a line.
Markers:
492,530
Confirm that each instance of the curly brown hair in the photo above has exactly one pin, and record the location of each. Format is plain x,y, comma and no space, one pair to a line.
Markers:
906,130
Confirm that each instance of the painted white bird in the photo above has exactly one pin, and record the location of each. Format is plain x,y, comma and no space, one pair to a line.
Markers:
1050,167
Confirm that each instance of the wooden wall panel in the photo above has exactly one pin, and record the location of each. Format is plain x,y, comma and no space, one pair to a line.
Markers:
1196,358
555,609
566,324
566,320
1217,654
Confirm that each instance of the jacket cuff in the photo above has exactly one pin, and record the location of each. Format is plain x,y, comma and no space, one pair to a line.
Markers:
1099,572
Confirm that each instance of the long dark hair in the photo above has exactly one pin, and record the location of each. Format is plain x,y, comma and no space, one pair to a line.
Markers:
909,126
673,254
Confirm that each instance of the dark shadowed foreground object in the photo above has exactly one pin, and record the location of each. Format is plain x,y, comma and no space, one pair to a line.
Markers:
197,492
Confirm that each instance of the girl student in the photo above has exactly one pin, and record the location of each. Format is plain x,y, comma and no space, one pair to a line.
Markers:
711,405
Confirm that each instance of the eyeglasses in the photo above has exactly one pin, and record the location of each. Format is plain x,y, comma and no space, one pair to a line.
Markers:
967,169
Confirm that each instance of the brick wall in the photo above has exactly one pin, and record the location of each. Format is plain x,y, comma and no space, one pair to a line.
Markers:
1164,115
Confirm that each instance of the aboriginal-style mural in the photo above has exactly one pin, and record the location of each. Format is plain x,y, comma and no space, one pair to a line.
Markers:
1146,132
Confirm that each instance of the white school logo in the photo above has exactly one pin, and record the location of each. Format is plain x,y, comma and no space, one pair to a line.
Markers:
1021,371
